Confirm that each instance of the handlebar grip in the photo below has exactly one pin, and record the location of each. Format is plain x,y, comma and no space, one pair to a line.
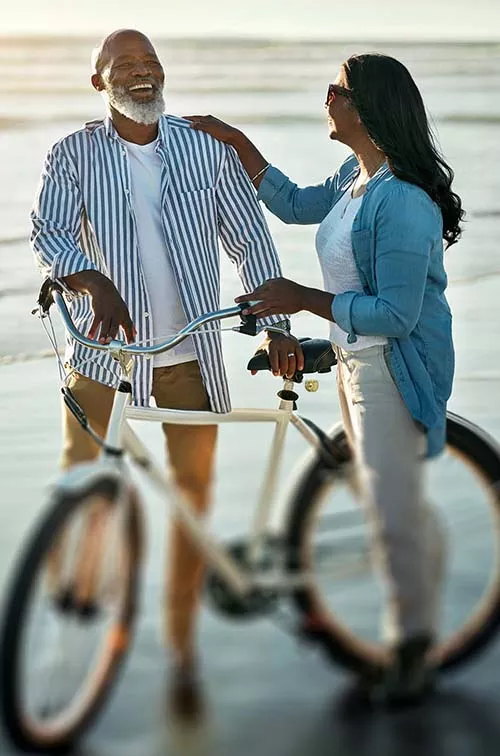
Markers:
45,299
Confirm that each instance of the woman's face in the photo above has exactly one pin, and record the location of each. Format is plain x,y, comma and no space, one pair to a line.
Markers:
343,119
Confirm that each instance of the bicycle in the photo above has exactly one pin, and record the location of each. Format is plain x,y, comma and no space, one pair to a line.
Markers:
85,552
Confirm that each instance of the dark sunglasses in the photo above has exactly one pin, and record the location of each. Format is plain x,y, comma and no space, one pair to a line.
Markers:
334,90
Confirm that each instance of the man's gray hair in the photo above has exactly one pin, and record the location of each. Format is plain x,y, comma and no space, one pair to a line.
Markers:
95,59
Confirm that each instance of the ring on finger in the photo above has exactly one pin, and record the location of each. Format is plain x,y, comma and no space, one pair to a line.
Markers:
291,354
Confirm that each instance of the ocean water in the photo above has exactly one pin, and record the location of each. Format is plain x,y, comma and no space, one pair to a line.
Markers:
275,91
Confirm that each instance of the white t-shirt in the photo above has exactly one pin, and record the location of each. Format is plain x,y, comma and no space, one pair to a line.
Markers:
340,274
167,314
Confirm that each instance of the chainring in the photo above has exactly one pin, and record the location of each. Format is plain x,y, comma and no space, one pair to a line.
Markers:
260,601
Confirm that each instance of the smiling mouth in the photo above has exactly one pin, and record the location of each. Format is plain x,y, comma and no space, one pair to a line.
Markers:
141,88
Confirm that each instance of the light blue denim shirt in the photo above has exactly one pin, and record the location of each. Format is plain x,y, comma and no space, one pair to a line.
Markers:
398,248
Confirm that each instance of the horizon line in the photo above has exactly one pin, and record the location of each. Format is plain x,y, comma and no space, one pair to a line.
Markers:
250,37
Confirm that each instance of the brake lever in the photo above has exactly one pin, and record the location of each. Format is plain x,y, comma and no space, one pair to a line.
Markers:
248,322
45,297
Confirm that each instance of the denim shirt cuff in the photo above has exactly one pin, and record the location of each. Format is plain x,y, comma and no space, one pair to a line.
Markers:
342,312
271,183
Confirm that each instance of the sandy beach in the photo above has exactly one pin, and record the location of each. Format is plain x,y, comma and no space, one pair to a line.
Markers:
267,694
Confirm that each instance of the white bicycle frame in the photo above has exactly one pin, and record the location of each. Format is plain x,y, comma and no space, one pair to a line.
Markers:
121,436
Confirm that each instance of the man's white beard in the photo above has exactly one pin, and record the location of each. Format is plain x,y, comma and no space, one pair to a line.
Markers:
139,112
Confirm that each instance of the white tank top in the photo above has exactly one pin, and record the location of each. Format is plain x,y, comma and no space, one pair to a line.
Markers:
340,274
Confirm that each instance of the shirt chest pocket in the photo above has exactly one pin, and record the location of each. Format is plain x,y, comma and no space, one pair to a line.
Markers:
196,211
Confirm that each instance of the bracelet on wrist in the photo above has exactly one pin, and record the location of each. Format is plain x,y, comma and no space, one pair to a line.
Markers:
260,172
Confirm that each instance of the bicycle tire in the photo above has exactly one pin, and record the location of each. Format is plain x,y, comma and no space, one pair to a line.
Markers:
23,731
480,452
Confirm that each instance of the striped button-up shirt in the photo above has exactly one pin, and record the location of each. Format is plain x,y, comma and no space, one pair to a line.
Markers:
83,218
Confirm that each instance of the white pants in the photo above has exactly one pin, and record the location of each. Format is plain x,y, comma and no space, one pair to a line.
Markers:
388,452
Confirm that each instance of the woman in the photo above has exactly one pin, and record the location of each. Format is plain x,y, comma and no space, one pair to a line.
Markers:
383,217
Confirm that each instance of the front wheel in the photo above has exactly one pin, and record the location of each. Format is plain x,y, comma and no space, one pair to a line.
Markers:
69,614
341,598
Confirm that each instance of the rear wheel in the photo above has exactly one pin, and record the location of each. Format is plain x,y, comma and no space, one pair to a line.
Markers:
342,601
69,614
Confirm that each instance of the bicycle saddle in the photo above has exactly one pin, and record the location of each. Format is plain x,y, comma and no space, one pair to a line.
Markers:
318,357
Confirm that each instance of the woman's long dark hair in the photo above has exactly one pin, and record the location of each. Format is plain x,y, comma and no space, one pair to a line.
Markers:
392,111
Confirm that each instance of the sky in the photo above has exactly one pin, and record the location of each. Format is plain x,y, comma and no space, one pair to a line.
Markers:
375,19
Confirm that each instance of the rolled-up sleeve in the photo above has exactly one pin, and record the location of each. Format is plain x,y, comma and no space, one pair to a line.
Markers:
406,229
56,218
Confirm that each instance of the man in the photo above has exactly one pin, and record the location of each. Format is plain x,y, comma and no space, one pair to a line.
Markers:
127,216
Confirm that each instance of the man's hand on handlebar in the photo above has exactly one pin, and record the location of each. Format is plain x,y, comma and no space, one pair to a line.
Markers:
110,311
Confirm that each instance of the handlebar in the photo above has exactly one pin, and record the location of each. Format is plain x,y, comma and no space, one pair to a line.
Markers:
53,292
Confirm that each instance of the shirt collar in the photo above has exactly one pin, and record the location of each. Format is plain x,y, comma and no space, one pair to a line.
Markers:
380,175
109,128
163,131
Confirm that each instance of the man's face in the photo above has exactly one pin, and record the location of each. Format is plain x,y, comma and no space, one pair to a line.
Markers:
132,78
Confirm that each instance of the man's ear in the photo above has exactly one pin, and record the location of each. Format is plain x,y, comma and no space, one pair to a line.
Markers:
97,82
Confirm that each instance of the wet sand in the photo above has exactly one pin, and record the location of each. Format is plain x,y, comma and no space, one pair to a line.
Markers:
267,694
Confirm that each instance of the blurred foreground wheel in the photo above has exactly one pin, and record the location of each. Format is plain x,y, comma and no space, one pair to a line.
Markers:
69,614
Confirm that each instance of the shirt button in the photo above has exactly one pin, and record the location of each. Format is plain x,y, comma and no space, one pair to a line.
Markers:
146,314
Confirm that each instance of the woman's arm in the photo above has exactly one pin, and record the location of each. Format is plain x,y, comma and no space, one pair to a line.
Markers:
290,203
278,293
252,160
406,230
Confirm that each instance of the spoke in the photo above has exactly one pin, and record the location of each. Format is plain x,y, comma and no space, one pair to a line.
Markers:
340,542
49,708
87,566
